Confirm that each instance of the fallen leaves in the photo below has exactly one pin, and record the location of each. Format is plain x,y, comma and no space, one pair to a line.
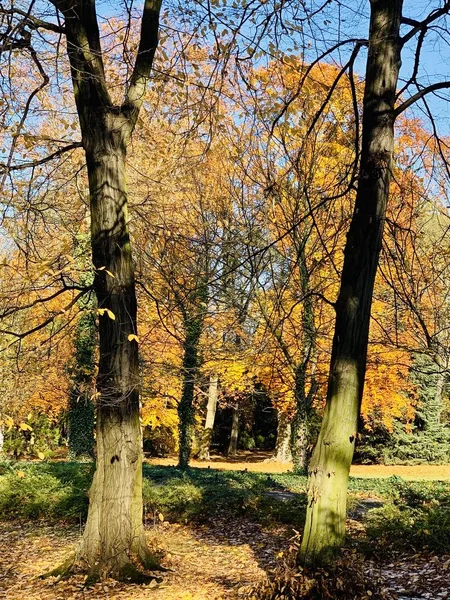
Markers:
208,562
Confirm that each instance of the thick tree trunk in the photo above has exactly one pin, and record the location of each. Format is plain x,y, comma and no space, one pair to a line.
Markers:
114,534
205,442
186,412
232,447
283,452
330,464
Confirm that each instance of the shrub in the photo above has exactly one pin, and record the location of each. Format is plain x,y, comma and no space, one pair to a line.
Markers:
28,495
43,438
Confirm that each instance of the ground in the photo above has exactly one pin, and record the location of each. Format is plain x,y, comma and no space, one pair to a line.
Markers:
259,462
220,557
207,563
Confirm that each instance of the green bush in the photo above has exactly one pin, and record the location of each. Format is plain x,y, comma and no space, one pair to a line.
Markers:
416,515
246,441
28,495
44,438
44,490
179,499
419,528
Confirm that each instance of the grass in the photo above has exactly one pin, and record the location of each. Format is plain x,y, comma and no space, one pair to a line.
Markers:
414,514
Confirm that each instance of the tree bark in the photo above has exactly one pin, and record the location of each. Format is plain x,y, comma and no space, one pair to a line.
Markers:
283,452
186,414
205,442
330,464
232,447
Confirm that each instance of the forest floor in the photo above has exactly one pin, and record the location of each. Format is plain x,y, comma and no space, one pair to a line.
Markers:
256,461
207,563
223,531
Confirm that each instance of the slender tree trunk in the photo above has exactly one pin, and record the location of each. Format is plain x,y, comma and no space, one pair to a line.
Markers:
2,439
283,444
205,442
232,447
301,424
80,418
330,464
186,412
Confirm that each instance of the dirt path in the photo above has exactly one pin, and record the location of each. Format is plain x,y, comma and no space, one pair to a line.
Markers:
259,462
208,563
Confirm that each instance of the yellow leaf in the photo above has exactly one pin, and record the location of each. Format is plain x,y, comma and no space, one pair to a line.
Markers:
102,311
161,517
132,337
25,427
20,474
41,455
106,271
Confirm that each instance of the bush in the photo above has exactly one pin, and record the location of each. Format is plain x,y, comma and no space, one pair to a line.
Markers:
418,528
159,441
246,441
44,438
44,490
180,499
417,515
28,495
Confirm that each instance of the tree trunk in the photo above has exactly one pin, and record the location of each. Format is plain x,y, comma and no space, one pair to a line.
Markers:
186,413
300,428
114,533
232,447
300,423
205,442
330,464
283,444
80,418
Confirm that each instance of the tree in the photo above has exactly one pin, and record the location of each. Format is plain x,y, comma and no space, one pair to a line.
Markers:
114,533
332,456
80,416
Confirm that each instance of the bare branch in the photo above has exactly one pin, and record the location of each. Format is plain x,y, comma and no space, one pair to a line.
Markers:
33,22
420,94
35,163
420,25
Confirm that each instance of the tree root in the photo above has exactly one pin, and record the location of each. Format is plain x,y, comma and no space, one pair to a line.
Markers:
64,571
129,573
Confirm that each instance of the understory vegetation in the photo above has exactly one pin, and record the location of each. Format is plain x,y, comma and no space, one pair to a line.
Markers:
396,513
